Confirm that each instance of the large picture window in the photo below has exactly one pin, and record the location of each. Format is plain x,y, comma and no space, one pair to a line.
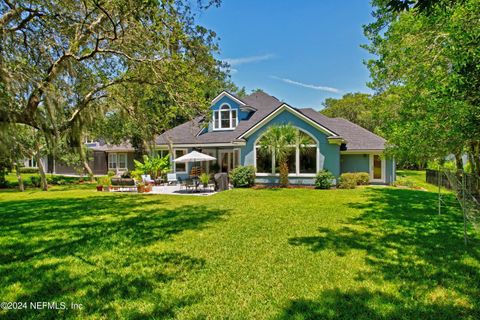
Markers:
301,160
225,118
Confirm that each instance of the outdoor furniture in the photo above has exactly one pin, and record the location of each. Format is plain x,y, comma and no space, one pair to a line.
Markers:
147,179
159,181
221,181
171,178
123,184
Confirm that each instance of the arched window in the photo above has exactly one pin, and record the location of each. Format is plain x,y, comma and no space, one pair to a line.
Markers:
301,160
225,118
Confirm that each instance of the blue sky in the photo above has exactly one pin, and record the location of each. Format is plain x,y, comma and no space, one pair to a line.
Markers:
299,51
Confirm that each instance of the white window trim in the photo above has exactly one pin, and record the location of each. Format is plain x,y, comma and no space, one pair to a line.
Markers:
232,154
297,159
383,169
117,162
219,112
175,164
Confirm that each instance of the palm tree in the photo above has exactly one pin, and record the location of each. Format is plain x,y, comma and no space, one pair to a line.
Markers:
281,141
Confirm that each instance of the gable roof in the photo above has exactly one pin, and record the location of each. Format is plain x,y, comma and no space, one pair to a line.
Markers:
229,95
191,132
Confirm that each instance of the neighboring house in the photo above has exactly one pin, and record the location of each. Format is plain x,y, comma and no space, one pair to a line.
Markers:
236,125
105,157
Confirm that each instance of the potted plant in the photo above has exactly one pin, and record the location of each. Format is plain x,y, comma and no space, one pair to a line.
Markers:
140,187
104,182
204,179
99,184
148,187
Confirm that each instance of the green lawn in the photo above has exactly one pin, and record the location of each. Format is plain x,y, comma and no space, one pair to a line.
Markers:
369,253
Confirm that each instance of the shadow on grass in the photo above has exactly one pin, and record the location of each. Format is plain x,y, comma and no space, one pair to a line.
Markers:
409,245
366,305
100,252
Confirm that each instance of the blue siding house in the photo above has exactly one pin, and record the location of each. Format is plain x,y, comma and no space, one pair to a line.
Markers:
235,125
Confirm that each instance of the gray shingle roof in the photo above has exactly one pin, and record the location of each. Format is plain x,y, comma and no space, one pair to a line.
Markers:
357,138
103,146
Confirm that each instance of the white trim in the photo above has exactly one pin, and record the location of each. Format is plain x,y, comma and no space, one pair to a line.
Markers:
294,175
117,162
383,169
291,110
175,164
225,93
366,151
234,144
230,111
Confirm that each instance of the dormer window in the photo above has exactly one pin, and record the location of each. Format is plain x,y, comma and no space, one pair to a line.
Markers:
224,118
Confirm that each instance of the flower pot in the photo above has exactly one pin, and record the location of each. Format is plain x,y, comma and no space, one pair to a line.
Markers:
99,188
140,189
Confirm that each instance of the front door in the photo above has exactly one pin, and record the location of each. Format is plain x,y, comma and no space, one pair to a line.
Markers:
377,168
229,159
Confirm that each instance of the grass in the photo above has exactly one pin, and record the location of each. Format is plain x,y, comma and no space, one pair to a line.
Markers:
368,253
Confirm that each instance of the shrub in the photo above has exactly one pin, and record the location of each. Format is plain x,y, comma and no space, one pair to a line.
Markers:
363,178
61,180
350,180
347,181
35,181
28,170
104,181
243,177
324,179
111,173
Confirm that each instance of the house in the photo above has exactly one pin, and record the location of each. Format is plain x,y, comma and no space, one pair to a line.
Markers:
235,125
231,134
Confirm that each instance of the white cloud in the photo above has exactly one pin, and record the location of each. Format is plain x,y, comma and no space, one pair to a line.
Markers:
244,60
306,85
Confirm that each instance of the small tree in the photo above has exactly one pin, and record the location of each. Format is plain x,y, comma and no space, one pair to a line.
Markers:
280,141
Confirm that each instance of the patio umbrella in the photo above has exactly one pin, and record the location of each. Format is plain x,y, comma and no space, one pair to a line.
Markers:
194,156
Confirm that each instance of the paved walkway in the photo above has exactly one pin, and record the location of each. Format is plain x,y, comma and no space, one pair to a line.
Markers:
177,190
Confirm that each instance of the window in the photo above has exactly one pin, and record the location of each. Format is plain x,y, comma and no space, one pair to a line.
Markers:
225,118
162,152
117,161
112,161
180,167
32,163
122,161
302,159
308,160
264,161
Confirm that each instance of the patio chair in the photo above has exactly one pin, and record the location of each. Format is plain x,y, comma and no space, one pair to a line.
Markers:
147,179
172,177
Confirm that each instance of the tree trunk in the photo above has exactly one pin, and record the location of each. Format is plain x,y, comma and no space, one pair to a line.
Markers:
21,188
284,174
86,166
41,170
458,161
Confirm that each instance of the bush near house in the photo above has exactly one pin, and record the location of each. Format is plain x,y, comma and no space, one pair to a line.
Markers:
363,178
350,180
35,181
324,179
243,177
28,170
347,181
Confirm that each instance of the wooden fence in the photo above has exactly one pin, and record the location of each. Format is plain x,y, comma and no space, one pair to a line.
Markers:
471,182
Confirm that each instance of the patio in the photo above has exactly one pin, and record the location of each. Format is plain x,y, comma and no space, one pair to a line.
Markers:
173,190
